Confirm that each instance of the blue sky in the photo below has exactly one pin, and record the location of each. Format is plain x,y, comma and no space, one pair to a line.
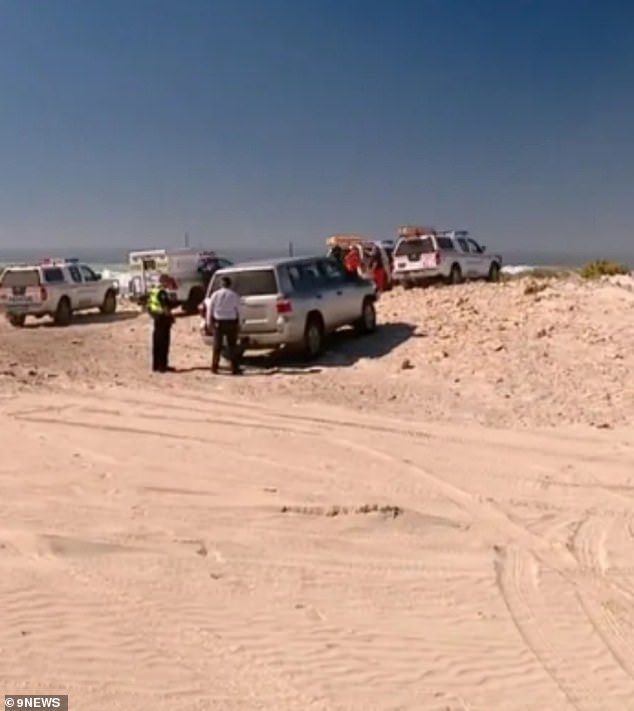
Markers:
130,122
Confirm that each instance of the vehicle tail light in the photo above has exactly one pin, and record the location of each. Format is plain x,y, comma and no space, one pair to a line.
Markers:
43,294
284,306
437,256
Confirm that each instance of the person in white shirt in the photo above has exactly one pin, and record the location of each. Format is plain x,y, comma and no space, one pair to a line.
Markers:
223,314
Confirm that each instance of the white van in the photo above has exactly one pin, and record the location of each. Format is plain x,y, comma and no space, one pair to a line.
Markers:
189,271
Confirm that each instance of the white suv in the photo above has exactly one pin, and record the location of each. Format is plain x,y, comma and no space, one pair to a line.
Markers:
56,288
296,303
450,256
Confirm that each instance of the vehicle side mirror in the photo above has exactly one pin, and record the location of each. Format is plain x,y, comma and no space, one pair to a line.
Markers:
97,277
483,248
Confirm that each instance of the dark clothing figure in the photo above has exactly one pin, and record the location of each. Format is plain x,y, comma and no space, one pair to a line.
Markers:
160,311
161,337
207,269
226,331
336,253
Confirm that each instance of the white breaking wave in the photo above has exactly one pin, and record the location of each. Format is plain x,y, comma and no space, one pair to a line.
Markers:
518,268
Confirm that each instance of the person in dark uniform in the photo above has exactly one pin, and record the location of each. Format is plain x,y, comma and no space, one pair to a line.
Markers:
158,307
336,253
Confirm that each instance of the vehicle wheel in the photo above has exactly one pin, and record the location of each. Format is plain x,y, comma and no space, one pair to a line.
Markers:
494,272
455,275
63,314
16,320
109,305
195,298
313,337
367,322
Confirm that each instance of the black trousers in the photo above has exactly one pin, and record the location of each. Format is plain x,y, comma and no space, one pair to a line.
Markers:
226,331
161,336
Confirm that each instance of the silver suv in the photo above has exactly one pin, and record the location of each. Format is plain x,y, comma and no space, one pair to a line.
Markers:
296,302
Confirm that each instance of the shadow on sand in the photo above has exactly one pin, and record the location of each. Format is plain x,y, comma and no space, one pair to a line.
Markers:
85,319
343,350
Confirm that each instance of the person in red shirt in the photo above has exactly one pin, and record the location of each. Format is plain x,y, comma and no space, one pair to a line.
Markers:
352,260
378,271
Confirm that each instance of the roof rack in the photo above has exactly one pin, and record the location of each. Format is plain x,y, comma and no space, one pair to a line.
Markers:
17,265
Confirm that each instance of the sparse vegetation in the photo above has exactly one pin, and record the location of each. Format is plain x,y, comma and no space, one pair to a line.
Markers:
592,270
601,267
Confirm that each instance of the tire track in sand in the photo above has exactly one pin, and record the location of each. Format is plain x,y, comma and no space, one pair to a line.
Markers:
547,620
538,581
608,603
601,624
250,413
402,429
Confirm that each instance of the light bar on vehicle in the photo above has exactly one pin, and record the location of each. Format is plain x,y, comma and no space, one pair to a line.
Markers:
59,261
346,240
415,231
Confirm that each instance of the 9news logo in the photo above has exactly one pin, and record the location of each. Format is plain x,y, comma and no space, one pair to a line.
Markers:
35,702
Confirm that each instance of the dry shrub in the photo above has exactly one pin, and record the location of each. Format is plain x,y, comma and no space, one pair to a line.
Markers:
601,267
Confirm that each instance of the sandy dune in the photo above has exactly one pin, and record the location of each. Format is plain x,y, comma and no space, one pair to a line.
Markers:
174,549
207,543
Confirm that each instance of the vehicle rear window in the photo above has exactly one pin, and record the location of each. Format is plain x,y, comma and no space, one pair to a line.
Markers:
53,275
20,278
251,282
414,246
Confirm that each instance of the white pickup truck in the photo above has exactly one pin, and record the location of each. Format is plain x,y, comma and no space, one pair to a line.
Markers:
424,255
56,288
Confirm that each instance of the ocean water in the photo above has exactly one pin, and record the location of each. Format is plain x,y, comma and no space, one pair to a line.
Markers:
113,262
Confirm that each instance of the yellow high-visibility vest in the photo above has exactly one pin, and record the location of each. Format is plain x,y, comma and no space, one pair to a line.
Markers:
154,306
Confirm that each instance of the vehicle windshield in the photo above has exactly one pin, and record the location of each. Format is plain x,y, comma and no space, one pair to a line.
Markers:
408,247
20,278
250,282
